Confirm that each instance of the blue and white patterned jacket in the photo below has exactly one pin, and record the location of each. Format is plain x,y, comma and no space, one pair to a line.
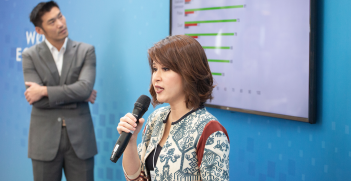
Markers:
197,147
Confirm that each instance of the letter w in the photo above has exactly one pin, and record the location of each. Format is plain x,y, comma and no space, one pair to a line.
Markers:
30,37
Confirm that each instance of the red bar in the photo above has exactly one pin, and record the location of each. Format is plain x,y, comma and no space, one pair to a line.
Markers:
195,36
191,24
189,12
187,1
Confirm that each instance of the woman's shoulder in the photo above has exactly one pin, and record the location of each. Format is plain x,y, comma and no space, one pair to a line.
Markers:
207,122
203,116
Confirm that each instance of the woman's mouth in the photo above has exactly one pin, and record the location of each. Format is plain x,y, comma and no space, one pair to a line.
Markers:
158,89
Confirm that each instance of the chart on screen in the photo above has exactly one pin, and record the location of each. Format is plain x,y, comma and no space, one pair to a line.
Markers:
258,51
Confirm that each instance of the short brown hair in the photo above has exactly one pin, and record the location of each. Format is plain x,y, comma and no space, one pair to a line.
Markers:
185,56
39,10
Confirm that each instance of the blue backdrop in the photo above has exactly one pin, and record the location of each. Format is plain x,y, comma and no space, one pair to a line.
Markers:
262,148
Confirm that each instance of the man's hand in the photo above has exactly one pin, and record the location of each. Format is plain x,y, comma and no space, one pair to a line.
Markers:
34,92
92,97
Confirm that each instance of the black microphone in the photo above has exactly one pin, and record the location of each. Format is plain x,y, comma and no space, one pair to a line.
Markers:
140,107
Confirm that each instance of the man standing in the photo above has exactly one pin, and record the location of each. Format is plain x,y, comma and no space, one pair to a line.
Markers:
59,75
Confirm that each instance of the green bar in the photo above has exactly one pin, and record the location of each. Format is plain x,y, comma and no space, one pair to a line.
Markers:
211,21
211,34
213,47
214,73
220,61
214,8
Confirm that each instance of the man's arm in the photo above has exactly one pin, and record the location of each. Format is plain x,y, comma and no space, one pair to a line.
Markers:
35,93
79,91
31,75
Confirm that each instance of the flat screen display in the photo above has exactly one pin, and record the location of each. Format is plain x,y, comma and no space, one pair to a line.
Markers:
258,52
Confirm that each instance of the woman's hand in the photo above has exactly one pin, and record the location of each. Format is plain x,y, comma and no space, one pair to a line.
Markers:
128,123
131,161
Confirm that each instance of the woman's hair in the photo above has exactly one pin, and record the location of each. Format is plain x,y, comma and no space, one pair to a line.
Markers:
185,56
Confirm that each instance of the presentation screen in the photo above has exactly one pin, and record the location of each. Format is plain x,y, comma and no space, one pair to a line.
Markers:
259,52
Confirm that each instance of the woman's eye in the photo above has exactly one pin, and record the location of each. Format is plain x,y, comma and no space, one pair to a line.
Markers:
165,69
154,69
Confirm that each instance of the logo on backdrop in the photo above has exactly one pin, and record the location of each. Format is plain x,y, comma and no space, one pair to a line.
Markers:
32,39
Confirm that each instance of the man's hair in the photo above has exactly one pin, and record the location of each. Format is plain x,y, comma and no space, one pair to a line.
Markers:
185,56
39,10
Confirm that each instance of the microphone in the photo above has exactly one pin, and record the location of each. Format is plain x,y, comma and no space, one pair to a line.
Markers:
140,107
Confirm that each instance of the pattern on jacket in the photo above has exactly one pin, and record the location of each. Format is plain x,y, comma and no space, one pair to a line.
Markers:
178,157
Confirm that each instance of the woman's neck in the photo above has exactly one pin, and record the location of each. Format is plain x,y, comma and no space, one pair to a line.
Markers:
177,111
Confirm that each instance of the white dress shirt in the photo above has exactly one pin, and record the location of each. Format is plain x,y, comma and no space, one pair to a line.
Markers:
57,55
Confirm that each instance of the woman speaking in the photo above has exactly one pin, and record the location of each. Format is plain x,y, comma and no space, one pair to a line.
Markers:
181,141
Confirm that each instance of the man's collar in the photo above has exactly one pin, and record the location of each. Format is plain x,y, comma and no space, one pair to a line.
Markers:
51,46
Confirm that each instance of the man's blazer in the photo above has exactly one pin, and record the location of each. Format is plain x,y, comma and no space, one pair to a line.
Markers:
66,100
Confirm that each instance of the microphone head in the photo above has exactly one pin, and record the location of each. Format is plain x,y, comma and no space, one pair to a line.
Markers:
141,106
144,101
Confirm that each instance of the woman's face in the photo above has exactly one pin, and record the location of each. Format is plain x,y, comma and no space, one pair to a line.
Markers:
167,84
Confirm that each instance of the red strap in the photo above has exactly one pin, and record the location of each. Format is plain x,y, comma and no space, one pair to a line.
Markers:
210,128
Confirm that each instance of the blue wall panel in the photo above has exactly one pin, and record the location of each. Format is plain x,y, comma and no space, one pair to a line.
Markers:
262,148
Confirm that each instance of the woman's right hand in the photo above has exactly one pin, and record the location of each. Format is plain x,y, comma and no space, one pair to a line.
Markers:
127,123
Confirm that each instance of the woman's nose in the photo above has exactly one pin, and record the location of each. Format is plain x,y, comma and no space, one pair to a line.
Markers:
156,76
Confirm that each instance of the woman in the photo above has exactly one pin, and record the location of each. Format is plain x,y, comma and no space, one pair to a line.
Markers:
181,141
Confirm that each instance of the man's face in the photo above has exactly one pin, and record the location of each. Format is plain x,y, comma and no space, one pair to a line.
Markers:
54,25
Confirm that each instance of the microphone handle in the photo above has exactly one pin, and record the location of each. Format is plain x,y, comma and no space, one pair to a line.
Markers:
120,146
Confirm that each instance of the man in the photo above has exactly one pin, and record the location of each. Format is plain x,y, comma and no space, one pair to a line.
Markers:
59,75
